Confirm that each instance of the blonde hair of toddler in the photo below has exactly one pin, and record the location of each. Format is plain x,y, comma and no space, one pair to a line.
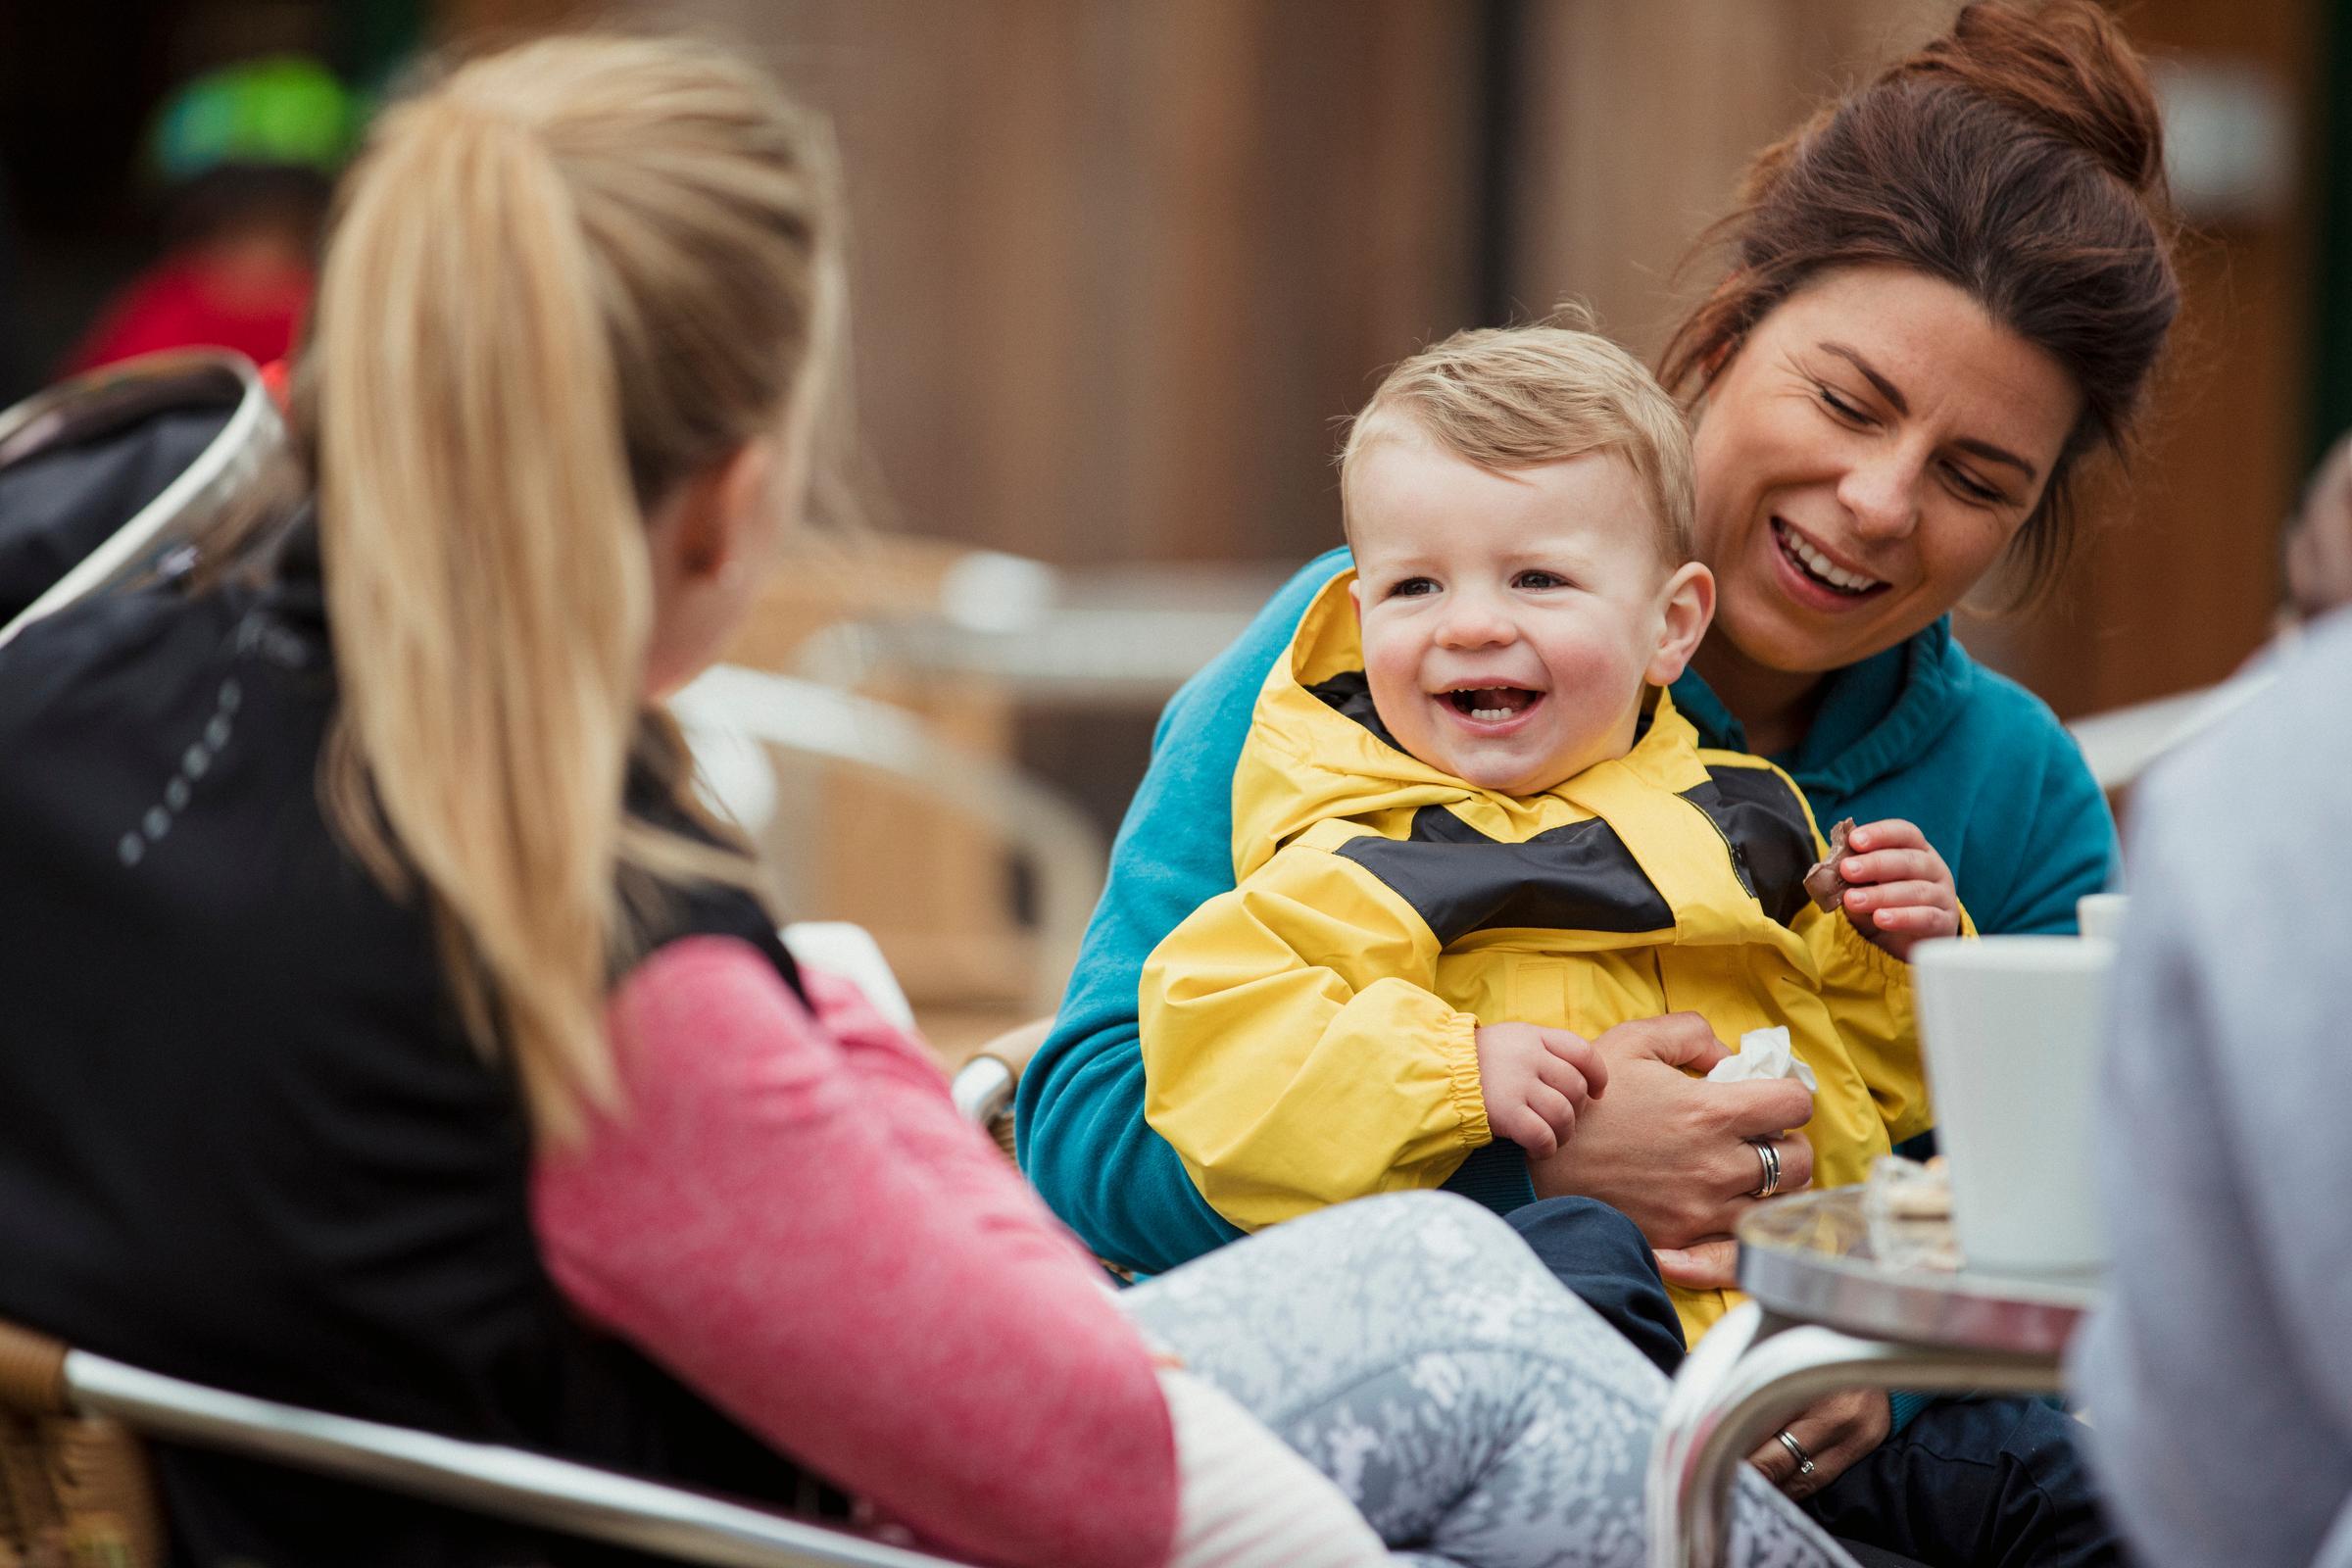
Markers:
1514,397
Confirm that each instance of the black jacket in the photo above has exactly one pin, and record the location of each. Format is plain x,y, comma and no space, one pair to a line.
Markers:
242,1138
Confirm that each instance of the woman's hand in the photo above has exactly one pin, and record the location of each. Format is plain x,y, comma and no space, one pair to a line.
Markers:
1898,892
1673,1152
1834,1432
1701,1267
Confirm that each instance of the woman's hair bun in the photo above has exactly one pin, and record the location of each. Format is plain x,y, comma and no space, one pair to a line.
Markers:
2063,65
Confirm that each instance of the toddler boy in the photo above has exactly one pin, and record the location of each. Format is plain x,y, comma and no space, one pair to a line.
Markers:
1471,832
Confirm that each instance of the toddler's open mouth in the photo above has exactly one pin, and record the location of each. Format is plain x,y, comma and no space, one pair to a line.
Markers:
1493,705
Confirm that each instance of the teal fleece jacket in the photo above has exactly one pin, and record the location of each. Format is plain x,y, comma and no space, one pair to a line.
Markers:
1921,731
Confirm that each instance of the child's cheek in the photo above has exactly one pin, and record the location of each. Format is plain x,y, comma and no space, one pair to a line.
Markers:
1592,661
1391,669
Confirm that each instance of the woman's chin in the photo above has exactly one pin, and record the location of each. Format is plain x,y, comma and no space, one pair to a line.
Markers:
1796,640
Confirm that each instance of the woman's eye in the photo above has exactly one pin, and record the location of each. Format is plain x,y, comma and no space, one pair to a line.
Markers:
1852,413
1538,579
1412,588
1973,488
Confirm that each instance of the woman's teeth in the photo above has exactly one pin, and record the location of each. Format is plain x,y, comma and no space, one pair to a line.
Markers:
1819,565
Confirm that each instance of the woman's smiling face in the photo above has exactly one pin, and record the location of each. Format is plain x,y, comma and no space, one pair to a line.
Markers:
1865,457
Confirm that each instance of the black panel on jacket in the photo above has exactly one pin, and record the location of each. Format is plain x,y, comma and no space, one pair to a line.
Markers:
1577,878
1763,820
1350,696
242,1137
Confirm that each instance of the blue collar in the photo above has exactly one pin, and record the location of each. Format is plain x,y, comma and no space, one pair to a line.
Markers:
1876,715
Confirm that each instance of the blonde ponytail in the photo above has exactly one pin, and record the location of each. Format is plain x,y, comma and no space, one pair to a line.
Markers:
561,283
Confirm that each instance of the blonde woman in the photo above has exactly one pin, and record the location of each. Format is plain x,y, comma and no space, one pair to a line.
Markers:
387,1031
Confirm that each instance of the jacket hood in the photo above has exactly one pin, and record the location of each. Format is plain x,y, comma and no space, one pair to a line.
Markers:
1317,749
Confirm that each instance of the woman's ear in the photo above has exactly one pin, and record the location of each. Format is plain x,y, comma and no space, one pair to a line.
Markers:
1685,607
724,517
1711,369
711,547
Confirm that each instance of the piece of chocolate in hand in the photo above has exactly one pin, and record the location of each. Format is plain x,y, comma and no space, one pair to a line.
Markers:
1823,882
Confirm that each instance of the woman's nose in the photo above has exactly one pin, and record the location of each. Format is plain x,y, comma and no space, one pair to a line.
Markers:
1881,495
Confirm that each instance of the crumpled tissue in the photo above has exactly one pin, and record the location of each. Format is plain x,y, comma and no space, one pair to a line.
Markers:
1764,1053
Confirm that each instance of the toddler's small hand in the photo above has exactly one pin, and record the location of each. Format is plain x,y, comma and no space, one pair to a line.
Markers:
1898,892
1534,1081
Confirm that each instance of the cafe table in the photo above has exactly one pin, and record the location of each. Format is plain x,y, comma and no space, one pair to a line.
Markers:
1838,1301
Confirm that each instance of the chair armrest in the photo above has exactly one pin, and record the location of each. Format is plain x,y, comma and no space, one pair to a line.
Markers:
532,1489
983,1087
1015,1046
199,497
1061,845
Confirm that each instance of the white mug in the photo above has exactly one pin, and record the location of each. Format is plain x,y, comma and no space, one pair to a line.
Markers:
2010,1027
2101,914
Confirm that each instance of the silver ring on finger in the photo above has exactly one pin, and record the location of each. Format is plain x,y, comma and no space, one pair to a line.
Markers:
1771,1157
1796,1451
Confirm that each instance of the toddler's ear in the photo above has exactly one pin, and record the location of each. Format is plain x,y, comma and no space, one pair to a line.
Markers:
1355,597
1686,608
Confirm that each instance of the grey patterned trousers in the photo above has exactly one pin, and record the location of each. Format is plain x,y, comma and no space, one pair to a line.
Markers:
1416,1352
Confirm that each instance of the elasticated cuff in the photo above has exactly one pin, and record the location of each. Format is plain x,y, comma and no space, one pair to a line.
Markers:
1458,1045
1882,967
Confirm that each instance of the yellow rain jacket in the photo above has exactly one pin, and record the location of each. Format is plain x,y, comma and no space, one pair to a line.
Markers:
1307,1037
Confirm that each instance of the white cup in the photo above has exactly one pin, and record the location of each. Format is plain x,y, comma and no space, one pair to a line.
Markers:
2010,1027
2101,914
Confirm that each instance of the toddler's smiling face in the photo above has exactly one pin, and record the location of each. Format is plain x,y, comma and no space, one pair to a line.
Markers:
1510,620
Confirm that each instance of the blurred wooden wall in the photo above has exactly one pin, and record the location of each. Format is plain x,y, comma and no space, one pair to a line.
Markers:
1638,119
1122,263
1118,265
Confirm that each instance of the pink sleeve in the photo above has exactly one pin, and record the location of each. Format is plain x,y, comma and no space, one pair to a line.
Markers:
791,1217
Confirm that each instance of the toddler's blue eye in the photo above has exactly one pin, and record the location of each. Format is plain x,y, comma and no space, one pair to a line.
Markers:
1541,579
1412,587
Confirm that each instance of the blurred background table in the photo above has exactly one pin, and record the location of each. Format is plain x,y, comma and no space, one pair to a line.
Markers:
889,737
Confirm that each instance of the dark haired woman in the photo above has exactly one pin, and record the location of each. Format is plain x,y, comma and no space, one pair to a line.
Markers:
1948,289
